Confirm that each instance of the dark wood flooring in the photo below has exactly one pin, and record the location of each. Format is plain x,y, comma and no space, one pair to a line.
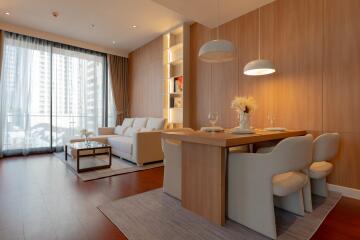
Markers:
42,199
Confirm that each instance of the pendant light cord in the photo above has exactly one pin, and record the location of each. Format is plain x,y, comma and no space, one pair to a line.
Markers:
259,34
218,19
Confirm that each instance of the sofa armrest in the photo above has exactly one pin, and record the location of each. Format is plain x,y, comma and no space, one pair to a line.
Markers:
147,147
106,131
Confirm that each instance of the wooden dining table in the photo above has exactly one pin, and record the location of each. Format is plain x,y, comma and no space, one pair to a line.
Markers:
204,158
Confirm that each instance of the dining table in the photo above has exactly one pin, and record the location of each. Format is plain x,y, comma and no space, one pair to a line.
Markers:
204,158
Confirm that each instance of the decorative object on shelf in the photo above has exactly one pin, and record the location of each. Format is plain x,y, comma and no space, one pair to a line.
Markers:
178,84
260,66
218,50
86,133
244,106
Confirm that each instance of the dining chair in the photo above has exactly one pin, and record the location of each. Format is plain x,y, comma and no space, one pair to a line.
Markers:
172,164
258,181
325,147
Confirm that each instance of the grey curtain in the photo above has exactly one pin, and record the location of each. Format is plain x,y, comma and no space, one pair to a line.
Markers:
118,67
1,49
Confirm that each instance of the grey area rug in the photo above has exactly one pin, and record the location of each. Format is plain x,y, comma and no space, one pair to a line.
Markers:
155,215
119,166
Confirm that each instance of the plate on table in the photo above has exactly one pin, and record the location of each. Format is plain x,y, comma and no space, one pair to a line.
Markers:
275,129
211,129
242,131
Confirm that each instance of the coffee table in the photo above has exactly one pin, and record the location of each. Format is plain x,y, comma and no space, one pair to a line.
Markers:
88,146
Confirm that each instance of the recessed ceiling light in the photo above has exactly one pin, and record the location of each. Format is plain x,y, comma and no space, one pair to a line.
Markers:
7,13
113,42
92,25
133,26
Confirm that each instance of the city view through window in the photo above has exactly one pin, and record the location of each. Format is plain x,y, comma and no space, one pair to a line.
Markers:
51,94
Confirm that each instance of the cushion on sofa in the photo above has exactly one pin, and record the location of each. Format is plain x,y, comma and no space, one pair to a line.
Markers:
122,144
120,130
131,131
155,123
128,122
139,122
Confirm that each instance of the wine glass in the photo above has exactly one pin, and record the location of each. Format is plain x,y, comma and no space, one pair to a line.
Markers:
213,118
271,119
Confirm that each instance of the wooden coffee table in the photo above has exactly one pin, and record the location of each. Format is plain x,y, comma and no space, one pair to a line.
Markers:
88,146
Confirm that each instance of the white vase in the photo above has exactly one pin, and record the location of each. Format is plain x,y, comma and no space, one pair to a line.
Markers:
244,120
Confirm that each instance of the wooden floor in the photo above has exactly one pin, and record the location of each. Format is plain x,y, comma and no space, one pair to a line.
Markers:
42,199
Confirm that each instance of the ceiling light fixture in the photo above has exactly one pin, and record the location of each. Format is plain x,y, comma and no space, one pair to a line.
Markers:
260,66
7,13
113,42
218,50
134,26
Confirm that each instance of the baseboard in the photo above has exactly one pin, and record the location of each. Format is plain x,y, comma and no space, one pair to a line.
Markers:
345,191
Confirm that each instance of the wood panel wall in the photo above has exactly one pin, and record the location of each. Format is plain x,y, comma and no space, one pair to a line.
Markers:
315,46
146,80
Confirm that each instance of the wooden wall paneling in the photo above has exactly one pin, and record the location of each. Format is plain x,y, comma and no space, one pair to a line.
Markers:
342,66
347,165
146,80
200,74
298,59
342,86
224,80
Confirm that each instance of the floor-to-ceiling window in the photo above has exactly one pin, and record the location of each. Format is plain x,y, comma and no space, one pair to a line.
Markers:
49,92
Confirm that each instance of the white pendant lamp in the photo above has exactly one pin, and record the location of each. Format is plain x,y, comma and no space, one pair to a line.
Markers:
260,66
218,50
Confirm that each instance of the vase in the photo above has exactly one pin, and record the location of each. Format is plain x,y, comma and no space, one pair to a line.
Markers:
244,120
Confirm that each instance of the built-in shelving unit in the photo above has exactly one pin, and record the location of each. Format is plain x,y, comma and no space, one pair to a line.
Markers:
176,87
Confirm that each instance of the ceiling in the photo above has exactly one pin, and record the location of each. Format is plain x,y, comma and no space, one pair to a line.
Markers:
206,11
113,19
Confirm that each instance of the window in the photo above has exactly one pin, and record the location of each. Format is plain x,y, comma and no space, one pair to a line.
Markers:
49,92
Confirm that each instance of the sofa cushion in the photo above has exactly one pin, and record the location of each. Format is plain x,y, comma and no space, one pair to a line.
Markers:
122,144
131,131
155,123
140,122
120,130
128,122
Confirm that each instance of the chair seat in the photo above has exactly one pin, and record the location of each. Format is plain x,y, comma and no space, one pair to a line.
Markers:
287,183
320,169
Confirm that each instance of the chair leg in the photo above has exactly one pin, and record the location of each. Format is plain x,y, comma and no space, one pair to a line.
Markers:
293,202
307,197
319,187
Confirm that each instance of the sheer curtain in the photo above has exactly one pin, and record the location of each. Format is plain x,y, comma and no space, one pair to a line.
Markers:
78,90
25,95
49,92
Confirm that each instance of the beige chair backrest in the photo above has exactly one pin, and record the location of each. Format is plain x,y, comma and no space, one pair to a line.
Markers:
292,154
326,147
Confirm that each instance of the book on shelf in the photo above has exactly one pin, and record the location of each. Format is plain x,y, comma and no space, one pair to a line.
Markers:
178,84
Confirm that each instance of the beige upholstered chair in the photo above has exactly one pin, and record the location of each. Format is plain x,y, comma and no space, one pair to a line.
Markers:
172,164
325,147
257,181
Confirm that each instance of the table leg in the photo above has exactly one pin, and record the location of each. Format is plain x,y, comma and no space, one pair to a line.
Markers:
77,160
110,157
65,147
203,180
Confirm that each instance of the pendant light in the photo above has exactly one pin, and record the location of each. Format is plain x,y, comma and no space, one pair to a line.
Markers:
260,66
218,50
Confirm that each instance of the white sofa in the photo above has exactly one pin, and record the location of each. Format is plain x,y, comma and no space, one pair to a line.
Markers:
137,139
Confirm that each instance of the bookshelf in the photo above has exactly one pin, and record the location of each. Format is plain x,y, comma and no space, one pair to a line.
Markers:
176,87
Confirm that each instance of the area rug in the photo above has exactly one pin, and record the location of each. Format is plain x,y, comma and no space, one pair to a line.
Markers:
155,215
119,166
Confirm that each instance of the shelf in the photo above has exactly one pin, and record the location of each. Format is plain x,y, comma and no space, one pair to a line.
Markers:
175,93
176,62
175,47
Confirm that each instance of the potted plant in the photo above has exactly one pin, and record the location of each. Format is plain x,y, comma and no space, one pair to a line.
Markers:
244,106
